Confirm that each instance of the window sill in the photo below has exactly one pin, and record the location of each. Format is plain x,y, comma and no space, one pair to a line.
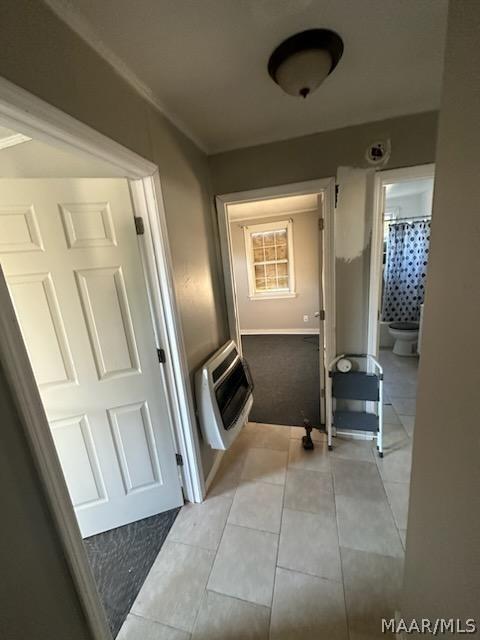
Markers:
272,296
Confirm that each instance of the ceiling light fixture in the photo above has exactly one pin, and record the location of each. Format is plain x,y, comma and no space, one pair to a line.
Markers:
301,63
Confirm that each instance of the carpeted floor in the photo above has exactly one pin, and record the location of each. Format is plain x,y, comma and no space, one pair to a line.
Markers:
120,560
286,373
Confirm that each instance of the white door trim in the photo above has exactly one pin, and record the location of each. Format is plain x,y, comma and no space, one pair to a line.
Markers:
382,179
325,187
24,112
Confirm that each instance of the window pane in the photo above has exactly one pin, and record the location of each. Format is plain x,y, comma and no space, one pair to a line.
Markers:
269,238
270,271
258,255
260,284
272,283
259,271
257,240
282,269
282,252
270,253
280,237
283,282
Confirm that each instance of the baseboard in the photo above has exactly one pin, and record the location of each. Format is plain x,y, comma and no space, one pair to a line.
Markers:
279,332
213,471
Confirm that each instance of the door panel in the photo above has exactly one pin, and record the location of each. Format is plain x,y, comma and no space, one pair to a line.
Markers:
70,253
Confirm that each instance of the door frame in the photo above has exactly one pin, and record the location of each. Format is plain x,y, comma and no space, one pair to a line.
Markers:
382,180
324,187
22,111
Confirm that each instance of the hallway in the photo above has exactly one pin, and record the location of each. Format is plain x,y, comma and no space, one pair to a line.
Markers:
290,543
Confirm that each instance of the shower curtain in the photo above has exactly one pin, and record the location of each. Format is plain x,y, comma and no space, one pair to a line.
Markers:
405,270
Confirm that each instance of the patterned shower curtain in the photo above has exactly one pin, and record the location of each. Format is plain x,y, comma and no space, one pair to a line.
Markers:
405,270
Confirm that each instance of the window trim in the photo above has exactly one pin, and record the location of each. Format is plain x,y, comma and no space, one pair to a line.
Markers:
248,230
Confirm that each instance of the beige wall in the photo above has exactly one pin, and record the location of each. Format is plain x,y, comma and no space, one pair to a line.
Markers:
339,153
41,54
37,594
442,563
282,313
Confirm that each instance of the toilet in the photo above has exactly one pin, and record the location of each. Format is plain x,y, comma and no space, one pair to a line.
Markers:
405,335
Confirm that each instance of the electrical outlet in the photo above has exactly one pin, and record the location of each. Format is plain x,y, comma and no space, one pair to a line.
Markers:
305,318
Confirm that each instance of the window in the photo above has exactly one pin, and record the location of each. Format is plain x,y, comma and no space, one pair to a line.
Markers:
269,250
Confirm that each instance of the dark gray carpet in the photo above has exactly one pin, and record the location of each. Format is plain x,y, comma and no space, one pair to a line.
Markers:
120,560
286,373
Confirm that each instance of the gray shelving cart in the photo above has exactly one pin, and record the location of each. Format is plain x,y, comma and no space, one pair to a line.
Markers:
355,385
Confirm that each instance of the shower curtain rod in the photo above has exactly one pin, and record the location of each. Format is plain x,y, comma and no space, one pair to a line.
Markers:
394,220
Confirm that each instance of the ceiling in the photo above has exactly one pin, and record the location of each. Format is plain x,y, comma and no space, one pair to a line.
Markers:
410,188
204,62
22,157
273,207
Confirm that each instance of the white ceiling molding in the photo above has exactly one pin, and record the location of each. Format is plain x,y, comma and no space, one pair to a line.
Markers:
14,139
66,11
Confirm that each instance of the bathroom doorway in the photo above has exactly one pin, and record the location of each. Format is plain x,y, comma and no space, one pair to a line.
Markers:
398,276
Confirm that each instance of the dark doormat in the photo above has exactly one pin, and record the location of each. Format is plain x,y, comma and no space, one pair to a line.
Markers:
286,373
121,559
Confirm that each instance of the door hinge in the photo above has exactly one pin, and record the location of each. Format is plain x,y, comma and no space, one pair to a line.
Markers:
321,224
337,189
162,358
322,314
179,459
139,226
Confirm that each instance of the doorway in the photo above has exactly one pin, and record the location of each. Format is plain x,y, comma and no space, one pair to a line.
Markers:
277,247
398,278
85,256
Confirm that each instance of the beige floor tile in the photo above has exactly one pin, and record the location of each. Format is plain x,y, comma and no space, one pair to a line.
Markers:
265,465
224,618
352,449
298,432
397,494
404,406
408,423
257,505
401,389
389,415
395,466
367,525
267,436
245,565
309,491
356,478
393,436
202,524
307,608
309,544
136,628
317,459
174,588
228,475
372,590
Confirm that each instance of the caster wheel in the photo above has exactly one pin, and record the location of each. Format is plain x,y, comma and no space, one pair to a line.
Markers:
380,453
330,448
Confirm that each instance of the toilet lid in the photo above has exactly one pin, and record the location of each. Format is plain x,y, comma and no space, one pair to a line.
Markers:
404,326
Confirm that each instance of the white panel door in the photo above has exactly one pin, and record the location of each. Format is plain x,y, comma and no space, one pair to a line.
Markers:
71,257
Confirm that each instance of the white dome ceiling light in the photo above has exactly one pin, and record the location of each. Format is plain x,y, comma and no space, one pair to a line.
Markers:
301,63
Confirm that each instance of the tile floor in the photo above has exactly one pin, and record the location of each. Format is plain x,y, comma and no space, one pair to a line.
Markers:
290,544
